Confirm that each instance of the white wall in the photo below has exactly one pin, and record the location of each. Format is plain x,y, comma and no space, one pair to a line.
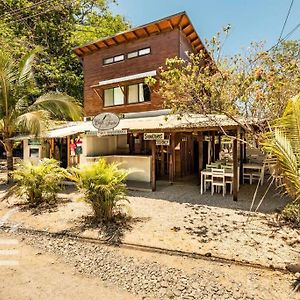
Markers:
138,166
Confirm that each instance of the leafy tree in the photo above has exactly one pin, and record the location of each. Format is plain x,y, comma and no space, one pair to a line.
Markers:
58,26
256,84
19,113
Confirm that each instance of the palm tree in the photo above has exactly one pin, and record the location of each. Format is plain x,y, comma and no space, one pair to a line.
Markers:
283,143
17,113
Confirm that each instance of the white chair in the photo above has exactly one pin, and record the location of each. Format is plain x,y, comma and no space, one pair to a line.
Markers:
247,175
218,180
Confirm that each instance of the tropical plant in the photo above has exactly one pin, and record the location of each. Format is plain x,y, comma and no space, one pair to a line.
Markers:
38,183
283,143
58,26
19,113
291,213
103,185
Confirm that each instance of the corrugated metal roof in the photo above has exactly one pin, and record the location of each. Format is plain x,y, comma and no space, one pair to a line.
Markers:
145,123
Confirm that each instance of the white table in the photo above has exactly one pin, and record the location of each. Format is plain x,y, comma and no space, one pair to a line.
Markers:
208,172
256,167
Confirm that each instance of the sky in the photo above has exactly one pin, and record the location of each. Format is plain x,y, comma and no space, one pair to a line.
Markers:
250,20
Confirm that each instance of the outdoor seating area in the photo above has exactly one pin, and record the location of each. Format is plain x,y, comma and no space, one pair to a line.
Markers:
218,176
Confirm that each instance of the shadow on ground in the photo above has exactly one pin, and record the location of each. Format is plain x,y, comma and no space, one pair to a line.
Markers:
189,192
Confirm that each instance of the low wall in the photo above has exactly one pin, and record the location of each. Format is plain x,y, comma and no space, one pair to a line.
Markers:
139,166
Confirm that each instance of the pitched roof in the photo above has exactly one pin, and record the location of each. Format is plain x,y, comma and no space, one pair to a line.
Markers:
179,20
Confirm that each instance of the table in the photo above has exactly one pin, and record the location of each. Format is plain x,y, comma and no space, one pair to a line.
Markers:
208,172
256,167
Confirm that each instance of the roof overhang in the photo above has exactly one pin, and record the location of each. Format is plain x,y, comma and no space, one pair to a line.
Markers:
125,78
179,20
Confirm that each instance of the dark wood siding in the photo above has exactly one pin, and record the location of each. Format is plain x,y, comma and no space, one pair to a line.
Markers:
163,46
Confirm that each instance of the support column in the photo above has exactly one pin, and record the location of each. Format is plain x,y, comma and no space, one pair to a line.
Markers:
213,145
241,156
200,154
172,158
153,162
162,161
235,169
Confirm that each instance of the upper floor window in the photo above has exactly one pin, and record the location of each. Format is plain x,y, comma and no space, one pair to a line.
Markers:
113,96
134,93
138,93
113,59
140,52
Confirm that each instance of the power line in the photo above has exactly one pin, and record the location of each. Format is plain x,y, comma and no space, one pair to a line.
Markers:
22,10
285,21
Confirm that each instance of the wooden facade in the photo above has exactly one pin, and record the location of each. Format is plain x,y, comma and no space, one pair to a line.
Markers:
169,37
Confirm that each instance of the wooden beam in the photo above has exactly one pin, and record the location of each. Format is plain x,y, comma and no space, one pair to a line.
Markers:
186,26
117,43
96,92
135,35
180,22
162,161
153,163
200,154
158,27
241,156
172,158
105,43
213,145
146,30
235,170
170,23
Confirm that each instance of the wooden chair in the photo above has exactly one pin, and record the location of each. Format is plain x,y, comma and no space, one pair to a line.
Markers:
248,176
218,180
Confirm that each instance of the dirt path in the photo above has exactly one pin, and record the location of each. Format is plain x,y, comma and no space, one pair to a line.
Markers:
40,276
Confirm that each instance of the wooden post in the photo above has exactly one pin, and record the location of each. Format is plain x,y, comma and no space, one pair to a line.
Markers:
200,154
162,161
241,156
68,151
172,158
235,170
153,177
213,145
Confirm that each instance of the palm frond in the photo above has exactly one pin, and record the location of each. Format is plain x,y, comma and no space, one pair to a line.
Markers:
60,106
33,122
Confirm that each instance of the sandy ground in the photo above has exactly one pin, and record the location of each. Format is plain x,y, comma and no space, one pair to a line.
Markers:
178,218
42,276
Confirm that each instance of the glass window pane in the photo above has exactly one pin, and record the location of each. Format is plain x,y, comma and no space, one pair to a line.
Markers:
119,58
141,92
118,96
144,51
133,93
109,97
108,60
132,54
145,93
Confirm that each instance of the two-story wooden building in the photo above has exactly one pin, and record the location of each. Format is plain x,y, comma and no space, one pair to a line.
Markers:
115,69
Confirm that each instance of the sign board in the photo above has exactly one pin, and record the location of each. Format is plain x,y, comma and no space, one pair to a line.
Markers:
111,132
153,136
34,142
164,142
105,121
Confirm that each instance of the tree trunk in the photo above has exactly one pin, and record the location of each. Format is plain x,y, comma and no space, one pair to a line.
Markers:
9,159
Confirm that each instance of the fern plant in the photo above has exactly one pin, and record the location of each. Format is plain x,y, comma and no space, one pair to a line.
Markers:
38,183
103,185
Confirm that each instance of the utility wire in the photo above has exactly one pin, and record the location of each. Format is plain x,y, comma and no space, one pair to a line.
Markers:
21,10
285,22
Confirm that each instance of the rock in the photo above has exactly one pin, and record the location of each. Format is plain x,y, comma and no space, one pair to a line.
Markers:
294,268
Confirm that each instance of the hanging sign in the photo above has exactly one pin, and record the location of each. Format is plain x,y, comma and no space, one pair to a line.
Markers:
105,121
153,136
111,132
163,142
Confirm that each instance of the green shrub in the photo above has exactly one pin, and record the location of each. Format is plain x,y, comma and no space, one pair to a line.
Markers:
103,185
38,183
291,213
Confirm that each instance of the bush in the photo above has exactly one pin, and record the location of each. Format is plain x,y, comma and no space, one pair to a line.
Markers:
39,183
291,213
103,186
